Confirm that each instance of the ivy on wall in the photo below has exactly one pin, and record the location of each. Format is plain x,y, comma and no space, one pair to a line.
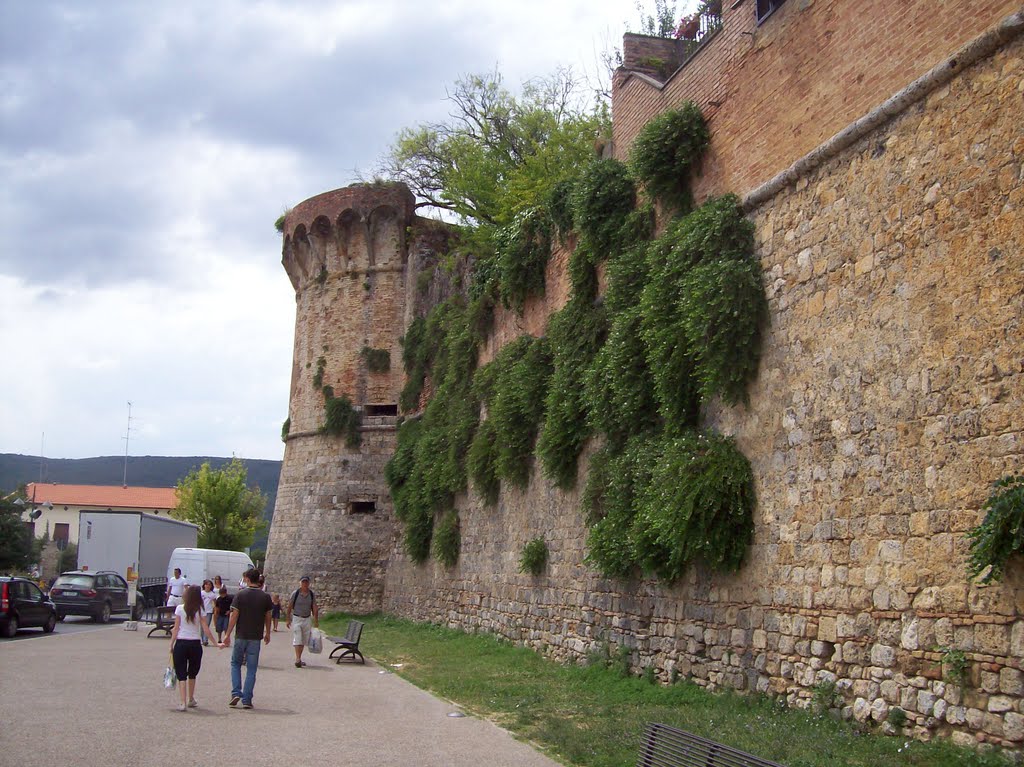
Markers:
340,416
665,151
1000,535
679,323
429,466
513,387
523,249
447,539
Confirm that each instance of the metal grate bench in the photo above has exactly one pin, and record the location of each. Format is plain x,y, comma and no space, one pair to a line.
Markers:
665,746
348,645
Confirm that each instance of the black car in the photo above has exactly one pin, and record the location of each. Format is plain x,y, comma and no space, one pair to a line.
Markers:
24,605
99,595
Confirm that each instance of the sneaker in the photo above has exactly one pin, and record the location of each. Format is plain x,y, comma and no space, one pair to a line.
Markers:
181,707
234,700
192,703
299,664
247,705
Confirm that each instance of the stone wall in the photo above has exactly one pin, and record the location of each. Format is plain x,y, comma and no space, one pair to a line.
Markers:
774,91
890,396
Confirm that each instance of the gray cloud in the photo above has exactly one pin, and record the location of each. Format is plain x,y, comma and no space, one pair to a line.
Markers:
147,148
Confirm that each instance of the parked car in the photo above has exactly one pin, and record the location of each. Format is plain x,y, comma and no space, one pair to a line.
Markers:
100,595
24,605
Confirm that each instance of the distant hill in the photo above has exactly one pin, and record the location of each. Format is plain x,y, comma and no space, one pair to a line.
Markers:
143,471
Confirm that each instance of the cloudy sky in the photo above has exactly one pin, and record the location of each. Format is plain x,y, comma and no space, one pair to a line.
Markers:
146,149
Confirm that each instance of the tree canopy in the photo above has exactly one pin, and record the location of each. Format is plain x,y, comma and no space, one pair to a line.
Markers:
227,511
498,154
16,549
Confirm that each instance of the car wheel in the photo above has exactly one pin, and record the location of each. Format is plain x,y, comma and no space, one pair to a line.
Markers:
51,624
104,615
140,608
11,628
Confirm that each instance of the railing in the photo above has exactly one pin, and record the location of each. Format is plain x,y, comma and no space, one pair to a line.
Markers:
697,29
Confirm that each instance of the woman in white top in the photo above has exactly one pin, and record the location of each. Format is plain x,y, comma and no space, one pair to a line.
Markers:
209,597
190,625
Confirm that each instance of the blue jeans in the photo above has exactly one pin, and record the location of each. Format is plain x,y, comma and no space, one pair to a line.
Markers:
249,649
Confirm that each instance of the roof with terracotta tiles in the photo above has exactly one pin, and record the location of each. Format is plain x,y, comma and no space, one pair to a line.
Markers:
104,496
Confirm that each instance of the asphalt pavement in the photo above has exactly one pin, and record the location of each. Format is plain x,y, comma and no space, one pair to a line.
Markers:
97,698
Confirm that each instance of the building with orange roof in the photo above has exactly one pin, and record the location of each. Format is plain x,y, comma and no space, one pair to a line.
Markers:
59,506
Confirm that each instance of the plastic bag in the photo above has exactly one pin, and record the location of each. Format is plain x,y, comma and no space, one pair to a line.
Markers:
170,678
316,641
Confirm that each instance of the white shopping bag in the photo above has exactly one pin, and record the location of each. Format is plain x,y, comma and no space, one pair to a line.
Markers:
316,641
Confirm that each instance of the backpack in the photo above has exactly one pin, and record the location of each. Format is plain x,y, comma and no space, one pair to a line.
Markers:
295,595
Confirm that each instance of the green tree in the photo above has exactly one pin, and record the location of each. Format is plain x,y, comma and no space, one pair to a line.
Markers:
15,541
227,511
662,23
499,154
68,559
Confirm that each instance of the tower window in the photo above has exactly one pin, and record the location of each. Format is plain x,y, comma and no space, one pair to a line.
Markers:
766,8
362,507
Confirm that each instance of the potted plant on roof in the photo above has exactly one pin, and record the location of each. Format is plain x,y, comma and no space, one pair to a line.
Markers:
689,27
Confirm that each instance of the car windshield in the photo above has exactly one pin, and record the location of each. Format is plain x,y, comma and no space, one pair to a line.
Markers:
84,581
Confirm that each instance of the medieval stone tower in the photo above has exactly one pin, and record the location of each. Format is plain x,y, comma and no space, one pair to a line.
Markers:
346,253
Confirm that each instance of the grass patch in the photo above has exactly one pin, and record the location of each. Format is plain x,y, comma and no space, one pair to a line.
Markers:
595,715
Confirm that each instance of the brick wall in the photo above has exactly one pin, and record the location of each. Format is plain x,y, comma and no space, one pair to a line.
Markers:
775,91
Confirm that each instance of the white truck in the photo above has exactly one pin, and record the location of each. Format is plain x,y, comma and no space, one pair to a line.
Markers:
133,544
198,565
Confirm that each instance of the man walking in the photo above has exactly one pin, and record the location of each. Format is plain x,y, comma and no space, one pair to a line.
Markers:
250,612
175,588
302,611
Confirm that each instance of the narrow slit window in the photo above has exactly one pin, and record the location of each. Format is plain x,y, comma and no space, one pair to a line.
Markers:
363,507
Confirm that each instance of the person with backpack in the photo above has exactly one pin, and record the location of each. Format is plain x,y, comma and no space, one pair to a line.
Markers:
303,613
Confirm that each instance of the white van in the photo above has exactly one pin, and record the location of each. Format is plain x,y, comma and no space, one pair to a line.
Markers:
197,565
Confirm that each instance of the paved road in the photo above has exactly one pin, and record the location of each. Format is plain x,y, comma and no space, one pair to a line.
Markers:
73,624
96,698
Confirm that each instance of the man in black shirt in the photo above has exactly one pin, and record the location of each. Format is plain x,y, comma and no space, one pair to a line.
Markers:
250,612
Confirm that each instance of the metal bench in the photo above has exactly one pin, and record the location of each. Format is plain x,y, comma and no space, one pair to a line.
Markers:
162,619
348,644
665,746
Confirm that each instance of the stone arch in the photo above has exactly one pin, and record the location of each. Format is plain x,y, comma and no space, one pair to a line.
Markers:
322,243
387,237
302,250
353,249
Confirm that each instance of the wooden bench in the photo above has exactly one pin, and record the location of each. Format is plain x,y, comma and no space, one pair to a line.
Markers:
348,644
162,619
665,746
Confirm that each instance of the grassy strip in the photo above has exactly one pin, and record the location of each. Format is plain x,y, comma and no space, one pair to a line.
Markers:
594,715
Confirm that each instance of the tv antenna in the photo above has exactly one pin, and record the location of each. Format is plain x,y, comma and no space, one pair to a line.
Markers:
126,437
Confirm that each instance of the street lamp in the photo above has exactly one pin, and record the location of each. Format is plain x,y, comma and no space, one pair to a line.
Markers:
37,511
